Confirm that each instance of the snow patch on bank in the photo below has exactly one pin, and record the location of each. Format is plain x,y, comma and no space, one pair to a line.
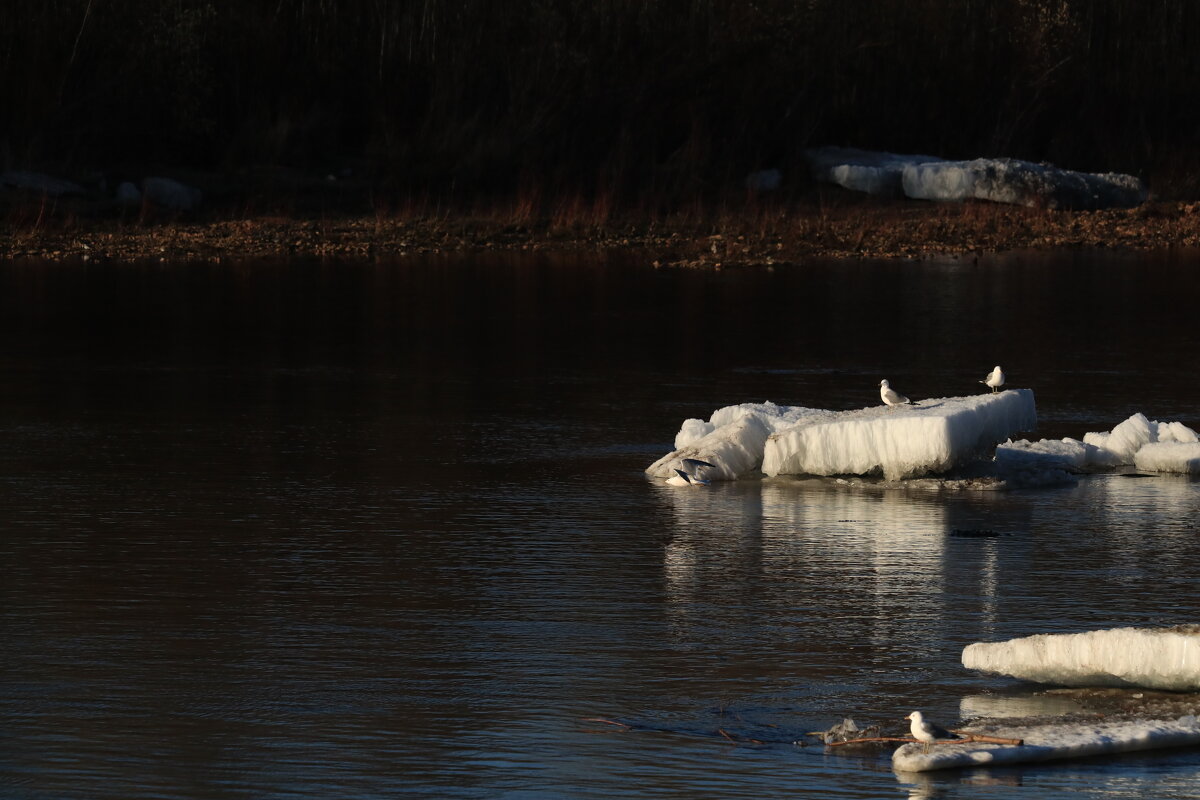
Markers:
863,170
1008,180
999,180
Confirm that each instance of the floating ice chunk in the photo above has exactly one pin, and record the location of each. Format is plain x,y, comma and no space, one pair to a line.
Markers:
899,441
37,182
1120,445
1049,742
1008,180
732,440
1169,457
862,170
1156,658
1048,462
1065,453
1152,446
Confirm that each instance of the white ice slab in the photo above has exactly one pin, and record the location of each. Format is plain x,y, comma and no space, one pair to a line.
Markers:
1154,658
1169,457
1050,742
731,440
1008,180
899,441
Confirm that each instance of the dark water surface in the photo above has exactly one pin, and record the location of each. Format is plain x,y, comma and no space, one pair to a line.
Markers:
370,530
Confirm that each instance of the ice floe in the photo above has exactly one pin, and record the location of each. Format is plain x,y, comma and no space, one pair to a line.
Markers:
1000,180
897,442
1148,444
1154,658
1048,742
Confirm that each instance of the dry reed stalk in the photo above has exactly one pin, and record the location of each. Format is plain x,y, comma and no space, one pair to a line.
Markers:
608,722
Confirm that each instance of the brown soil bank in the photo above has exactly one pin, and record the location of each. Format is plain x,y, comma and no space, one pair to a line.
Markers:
755,235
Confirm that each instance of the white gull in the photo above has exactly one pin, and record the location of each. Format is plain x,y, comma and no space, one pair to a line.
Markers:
890,395
927,732
690,474
995,379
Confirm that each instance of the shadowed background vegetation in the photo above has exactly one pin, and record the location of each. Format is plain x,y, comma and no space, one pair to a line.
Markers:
626,99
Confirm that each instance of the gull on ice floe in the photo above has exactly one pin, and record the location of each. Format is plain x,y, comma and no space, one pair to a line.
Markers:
995,379
690,474
928,732
890,395
927,437
1048,740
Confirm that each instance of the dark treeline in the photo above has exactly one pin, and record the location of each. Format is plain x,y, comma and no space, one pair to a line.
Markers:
631,98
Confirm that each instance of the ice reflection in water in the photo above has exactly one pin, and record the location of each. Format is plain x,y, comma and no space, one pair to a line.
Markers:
864,579
1016,705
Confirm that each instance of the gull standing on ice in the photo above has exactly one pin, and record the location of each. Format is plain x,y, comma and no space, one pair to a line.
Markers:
927,732
995,379
890,395
689,475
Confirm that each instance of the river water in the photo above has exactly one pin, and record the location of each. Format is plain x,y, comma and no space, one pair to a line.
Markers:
378,529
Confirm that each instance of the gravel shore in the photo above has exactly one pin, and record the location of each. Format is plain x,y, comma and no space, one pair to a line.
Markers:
756,235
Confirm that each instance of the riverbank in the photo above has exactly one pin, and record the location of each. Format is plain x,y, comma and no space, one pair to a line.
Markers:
754,235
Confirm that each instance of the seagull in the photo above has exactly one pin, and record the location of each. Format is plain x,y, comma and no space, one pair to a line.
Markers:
890,395
995,379
927,732
689,475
